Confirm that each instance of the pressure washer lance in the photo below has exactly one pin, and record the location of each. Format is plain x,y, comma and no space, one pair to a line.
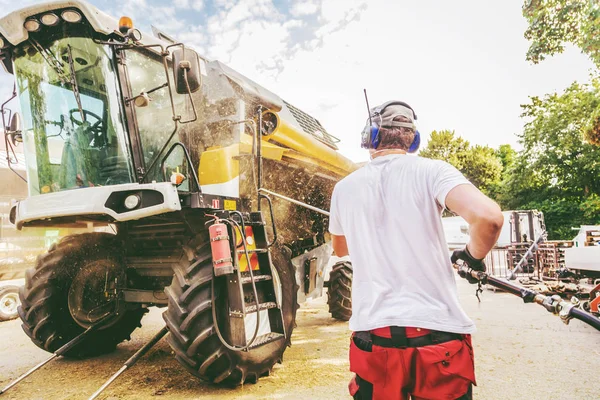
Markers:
554,304
61,351
132,360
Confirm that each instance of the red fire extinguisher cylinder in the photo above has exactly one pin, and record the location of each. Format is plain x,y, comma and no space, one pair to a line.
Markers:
221,250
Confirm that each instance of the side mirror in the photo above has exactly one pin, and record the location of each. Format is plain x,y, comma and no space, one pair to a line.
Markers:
186,64
15,129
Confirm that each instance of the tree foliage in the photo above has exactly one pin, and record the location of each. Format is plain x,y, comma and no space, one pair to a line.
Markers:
557,170
553,23
480,164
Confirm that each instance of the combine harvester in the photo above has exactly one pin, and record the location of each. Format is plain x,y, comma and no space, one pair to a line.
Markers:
205,192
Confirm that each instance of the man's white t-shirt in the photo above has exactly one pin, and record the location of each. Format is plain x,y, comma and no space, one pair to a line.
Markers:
390,213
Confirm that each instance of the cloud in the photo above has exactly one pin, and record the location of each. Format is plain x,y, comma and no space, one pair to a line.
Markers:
197,5
303,7
459,68
181,3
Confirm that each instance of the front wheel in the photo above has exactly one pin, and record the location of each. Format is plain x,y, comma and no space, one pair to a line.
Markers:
66,292
193,337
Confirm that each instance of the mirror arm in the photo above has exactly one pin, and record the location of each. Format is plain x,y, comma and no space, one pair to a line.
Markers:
3,108
187,84
130,99
7,132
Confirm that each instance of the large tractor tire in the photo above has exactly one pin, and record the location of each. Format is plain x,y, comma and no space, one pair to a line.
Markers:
193,337
339,294
77,267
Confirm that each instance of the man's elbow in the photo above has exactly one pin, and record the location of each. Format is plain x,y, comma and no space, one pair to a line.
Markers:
493,219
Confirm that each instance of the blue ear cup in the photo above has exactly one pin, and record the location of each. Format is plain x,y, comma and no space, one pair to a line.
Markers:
375,138
416,143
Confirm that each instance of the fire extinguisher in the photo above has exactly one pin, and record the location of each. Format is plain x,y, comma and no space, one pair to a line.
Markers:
221,250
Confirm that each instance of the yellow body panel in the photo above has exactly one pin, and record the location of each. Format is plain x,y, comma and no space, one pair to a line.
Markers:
220,164
309,147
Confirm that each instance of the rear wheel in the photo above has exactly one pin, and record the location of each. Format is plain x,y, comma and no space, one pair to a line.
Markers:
339,294
9,301
189,318
69,290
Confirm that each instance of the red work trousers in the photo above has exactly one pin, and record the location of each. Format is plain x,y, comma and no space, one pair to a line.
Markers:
435,371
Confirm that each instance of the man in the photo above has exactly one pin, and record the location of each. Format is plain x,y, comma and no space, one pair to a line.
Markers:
410,335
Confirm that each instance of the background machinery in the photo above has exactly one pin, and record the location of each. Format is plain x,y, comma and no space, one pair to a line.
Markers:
180,166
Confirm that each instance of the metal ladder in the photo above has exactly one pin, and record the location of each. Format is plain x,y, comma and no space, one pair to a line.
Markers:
241,302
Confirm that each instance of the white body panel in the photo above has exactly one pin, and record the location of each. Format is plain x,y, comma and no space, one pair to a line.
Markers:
90,201
11,26
230,188
585,258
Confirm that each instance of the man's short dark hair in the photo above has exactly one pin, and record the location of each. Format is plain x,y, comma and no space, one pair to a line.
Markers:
396,137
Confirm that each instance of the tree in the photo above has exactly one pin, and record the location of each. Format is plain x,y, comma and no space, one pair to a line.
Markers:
482,167
480,164
553,23
443,145
507,156
557,171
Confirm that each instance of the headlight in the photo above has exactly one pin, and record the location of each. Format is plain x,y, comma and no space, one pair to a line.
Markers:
31,25
132,201
71,16
49,19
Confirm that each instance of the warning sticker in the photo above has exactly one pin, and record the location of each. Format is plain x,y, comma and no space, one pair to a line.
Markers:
229,205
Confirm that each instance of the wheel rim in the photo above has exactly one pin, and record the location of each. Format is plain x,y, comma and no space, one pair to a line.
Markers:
94,293
9,303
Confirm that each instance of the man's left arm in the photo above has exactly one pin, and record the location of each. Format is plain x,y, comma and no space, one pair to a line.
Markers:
340,247
338,240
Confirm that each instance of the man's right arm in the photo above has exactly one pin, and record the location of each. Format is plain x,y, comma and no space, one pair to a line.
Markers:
483,215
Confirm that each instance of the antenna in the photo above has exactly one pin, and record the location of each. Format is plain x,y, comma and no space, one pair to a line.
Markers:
368,108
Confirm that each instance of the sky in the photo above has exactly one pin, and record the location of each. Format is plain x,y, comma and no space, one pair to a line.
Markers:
460,64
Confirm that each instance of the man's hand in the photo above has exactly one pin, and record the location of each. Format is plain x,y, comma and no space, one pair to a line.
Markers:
475,264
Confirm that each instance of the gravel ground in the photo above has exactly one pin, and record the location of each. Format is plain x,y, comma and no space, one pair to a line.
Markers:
522,352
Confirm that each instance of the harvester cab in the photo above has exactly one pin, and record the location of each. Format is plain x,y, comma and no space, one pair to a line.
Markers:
182,166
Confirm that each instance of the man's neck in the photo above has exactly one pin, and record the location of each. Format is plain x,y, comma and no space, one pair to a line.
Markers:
386,152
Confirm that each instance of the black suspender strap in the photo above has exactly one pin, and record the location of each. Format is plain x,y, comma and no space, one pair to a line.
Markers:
399,336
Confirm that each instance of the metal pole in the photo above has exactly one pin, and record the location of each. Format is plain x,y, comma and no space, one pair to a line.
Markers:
132,360
26,374
259,151
294,201
68,346
554,304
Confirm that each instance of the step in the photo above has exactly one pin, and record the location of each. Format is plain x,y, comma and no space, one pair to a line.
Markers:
252,309
257,278
253,251
263,306
265,339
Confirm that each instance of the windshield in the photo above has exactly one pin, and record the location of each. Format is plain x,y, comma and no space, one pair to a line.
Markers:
73,134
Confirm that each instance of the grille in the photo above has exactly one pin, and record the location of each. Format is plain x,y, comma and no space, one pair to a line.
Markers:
312,126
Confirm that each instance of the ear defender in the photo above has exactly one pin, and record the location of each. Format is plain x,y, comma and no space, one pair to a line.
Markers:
375,138
414,146
370,137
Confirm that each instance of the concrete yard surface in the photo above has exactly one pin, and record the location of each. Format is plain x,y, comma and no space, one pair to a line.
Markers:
521,350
